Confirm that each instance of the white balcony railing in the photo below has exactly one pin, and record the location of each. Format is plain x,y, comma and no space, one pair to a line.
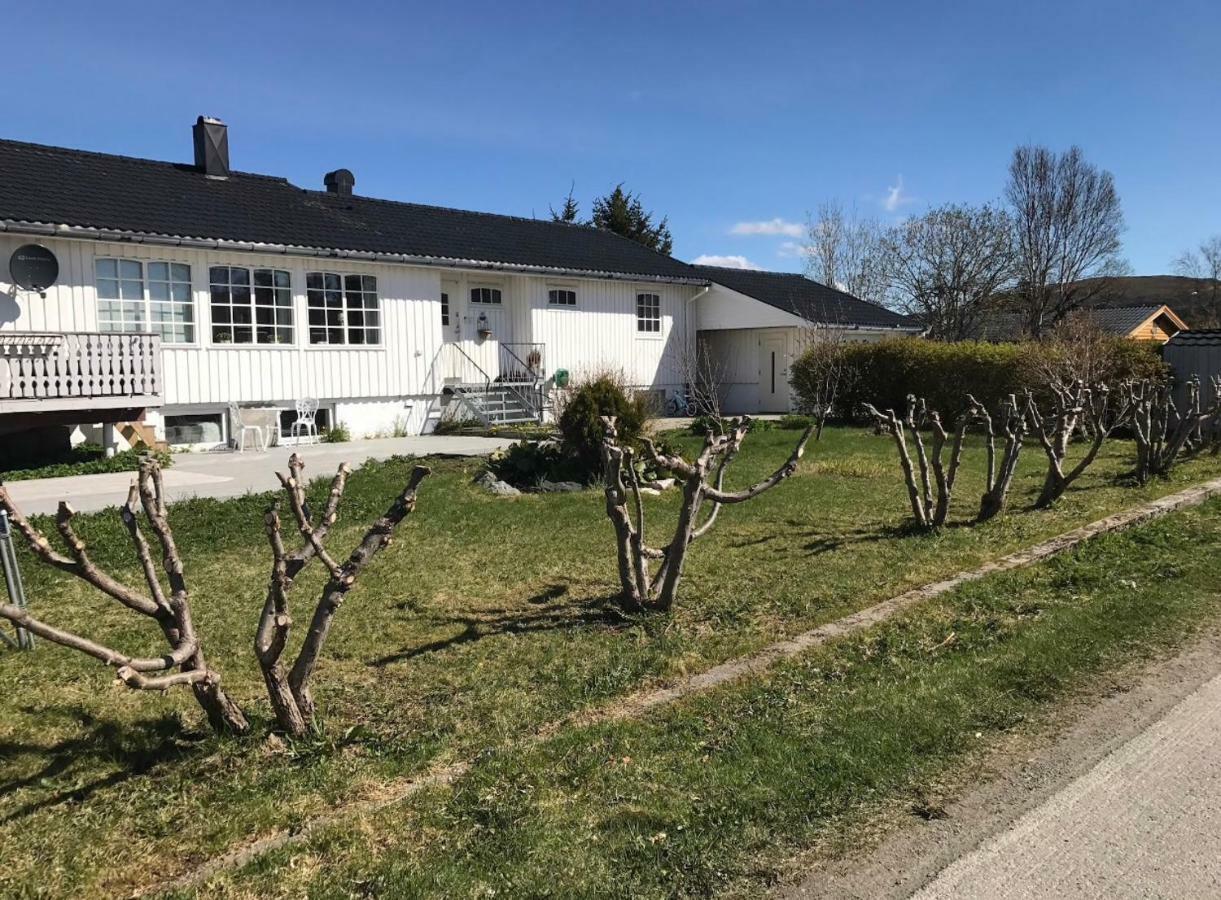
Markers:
78,370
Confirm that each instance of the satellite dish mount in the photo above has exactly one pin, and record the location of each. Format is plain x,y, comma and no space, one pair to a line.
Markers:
33,267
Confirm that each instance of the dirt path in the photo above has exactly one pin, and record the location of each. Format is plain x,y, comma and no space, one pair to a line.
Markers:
1124,803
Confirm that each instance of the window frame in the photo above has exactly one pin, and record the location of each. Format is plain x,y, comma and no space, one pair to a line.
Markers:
346,309
254,306
147,324
445,309
491,288
656,319
554,289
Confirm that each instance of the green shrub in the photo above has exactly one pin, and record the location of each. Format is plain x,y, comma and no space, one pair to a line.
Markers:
526,463
87,459
581,429
702,425
793,423
336,434
944,373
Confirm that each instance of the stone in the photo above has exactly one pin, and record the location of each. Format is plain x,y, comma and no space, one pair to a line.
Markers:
559,487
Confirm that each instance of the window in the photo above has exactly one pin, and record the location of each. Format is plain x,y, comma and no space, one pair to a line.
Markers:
561,297
648,313
250,306
485,295
203,428
166,309
343,309
444,308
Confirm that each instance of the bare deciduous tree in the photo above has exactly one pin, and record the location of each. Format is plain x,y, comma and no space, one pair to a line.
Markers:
1163,432
1204,265
171,610
1072,406
846,251
1012,422
289,692
703,480
929,512
1067,223
822,373
947,265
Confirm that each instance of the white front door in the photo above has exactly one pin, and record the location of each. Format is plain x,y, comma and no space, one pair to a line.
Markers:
773,374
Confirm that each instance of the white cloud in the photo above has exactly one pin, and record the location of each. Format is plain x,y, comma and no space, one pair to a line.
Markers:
792,248
775,226
896,197
728,262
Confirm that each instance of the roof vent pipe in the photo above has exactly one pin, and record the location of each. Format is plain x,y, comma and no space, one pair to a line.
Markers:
211,146
341,181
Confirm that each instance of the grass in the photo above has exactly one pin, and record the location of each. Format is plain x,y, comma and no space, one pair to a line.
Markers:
485,619
83,459
712,797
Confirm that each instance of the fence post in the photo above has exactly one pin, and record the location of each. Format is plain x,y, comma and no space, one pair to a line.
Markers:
12,581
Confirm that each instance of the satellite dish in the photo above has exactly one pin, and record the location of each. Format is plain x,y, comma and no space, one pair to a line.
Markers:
33,268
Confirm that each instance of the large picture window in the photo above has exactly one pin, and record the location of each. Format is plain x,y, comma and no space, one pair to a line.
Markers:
133,296
648,313
343,309
251,306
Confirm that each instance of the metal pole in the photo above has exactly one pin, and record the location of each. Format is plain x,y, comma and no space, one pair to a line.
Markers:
12,580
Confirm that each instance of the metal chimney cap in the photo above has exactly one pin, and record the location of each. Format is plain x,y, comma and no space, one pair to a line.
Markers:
341,181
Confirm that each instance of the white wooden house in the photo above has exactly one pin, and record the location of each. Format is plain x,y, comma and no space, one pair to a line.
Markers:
183,288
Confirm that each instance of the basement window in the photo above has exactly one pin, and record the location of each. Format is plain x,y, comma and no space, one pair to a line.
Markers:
485,295
343,309
166,307
648,313
250,306
561,297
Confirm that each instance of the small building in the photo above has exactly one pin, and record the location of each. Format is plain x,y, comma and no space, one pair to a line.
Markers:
753,324
1195,353
1146,322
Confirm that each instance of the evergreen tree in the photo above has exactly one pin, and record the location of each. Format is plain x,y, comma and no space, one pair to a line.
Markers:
622,212
570,211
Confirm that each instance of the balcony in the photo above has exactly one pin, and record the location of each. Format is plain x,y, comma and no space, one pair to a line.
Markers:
79,371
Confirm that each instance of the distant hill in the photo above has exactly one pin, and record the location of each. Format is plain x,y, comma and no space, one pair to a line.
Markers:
1197,301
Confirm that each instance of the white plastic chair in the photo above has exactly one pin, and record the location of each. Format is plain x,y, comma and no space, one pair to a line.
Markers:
307,411
241,428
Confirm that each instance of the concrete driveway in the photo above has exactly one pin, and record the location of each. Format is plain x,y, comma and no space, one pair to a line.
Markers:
230,474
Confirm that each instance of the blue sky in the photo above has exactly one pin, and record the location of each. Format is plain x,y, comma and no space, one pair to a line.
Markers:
720,115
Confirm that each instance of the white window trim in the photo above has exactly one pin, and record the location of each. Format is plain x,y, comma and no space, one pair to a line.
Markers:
478,286
346,345
294,344
576,301
657,335
148,300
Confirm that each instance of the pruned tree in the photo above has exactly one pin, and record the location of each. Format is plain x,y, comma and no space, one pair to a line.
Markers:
184,663
1072,406
650,576
946,266
822,373
931,491
1012,422
847,252
1162,431
289,690
1067,222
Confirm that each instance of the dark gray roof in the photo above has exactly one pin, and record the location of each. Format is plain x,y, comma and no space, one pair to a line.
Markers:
1119,320
55,186
1207,338
806,298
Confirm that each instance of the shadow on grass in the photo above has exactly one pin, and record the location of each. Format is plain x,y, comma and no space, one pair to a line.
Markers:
825,542
596,611
136,747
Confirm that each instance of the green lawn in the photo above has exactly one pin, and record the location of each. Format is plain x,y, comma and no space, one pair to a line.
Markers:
487,618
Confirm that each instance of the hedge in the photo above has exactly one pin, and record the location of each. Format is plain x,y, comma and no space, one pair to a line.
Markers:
884,373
